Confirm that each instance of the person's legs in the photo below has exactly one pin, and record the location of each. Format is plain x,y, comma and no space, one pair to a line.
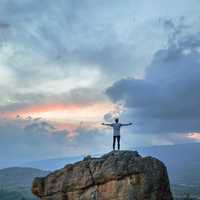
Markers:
118,142
114,139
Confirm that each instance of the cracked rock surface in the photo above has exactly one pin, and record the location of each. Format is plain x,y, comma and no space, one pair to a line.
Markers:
121,175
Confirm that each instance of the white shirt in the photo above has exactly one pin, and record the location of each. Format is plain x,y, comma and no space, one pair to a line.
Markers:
116,129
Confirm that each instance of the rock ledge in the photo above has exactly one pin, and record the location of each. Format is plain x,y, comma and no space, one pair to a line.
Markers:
120,175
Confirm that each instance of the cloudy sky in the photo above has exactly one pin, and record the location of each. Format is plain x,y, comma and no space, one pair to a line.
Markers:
68,65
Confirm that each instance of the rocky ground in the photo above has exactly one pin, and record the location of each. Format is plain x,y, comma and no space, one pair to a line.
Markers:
120,175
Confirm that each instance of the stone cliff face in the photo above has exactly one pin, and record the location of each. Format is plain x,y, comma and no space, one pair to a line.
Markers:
121,175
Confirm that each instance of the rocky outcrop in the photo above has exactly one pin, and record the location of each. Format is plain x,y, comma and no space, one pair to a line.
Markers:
120,175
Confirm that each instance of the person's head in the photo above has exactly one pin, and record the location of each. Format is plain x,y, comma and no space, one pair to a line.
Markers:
116,120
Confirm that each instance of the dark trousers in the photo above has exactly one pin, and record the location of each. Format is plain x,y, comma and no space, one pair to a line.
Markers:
118,142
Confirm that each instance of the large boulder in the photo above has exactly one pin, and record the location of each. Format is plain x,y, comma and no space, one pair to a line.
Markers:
120,175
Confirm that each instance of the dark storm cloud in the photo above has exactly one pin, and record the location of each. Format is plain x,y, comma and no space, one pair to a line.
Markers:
167,100
39,127
35,139
25,140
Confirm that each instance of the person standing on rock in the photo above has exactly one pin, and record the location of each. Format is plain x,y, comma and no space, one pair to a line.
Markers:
116,131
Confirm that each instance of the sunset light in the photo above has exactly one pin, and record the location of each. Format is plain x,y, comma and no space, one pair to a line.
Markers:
195,136
66,112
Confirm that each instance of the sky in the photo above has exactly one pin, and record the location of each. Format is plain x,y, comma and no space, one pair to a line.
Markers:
66,66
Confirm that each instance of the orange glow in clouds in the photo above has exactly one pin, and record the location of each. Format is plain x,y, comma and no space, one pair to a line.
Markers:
66,113
195,136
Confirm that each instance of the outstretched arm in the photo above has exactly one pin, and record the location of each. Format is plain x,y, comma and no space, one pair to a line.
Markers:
126,124
106,124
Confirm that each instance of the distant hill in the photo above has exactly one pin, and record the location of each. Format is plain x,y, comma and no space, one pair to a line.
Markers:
15,182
